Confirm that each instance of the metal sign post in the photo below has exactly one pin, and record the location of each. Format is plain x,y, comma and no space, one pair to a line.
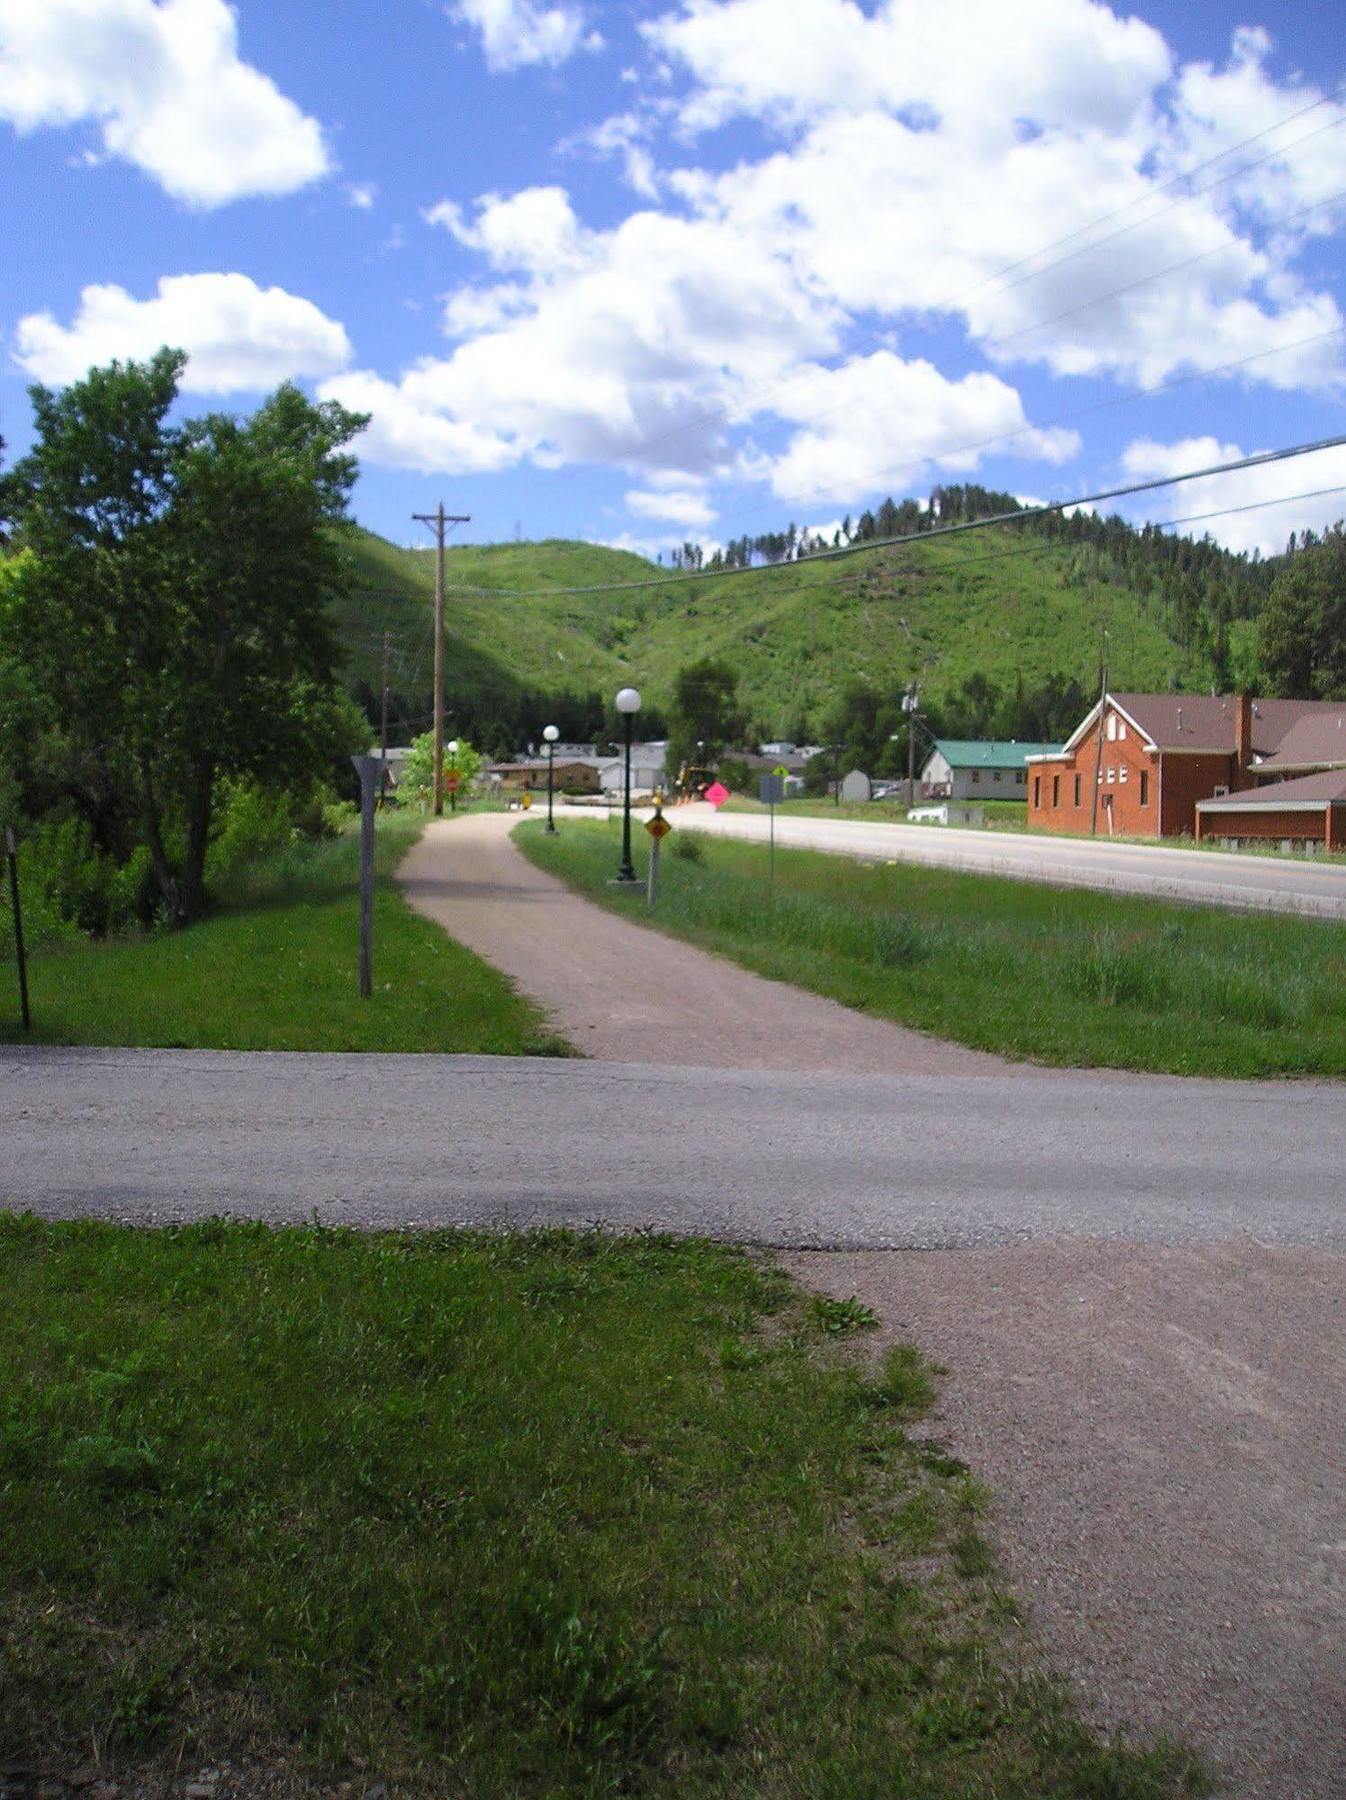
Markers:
771,791
658,828
367,768
12,859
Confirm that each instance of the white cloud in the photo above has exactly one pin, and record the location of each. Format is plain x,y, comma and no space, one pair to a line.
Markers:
237,335
362,194
1271,490
167,89
922,152
623,135
878,423
534,231
615,346
913,178
680,506
978,62
516,32
407,431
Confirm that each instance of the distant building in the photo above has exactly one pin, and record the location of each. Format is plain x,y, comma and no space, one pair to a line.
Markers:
978,769
1153,759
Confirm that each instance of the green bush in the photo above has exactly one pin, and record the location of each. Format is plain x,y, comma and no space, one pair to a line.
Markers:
68,888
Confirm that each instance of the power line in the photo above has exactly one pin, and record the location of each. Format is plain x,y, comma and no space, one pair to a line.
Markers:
1261,459
1076,412
1155,275
1173,181
950,304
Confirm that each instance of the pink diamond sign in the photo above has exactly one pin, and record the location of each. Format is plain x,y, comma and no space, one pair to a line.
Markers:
717,793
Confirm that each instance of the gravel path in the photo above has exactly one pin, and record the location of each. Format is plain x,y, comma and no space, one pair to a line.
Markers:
623,993
1162,1431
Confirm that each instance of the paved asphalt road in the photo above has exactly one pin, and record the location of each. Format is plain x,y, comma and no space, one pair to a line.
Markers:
1213,878
770,1156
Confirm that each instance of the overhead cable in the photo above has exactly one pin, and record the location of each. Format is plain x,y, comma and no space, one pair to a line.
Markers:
1261,459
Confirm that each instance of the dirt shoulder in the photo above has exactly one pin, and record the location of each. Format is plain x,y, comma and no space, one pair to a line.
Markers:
1161,1431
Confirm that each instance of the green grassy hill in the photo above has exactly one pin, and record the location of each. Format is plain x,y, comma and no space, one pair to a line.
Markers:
994,602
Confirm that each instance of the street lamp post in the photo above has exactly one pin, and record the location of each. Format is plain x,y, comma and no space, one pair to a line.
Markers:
452,748
628,705
550,734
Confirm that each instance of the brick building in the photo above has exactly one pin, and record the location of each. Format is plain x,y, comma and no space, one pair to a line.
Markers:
1151,758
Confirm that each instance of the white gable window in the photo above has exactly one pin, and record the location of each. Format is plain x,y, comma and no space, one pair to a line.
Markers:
1121,728
1112,727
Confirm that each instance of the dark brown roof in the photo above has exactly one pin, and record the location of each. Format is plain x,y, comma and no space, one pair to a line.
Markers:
1318,738
1272,794
1210,721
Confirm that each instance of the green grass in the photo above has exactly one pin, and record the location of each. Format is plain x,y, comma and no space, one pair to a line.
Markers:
498,1516
275,968
1056,976
795,633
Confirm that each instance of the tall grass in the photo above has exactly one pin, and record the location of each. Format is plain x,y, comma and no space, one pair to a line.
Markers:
1058,976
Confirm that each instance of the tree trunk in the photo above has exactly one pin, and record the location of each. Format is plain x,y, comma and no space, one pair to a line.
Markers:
199,801
164,873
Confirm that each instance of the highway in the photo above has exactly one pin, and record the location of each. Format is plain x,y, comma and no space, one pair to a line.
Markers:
1203,877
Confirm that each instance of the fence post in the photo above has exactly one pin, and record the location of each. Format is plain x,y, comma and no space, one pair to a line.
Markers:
12,859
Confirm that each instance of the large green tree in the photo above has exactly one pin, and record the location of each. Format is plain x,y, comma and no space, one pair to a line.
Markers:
173,612
705,718
1304,621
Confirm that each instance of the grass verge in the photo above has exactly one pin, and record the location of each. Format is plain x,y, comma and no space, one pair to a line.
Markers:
1054,975
274,968
495,1515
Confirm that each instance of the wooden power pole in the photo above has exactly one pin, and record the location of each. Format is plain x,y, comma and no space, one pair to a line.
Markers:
1098,741
438,521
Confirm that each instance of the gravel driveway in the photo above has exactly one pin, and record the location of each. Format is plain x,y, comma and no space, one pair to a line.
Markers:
1162,1431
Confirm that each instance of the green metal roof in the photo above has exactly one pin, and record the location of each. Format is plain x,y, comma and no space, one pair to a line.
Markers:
989,753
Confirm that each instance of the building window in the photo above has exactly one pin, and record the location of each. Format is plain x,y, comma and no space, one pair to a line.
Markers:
1121,728
996,776
1145,787
1056,790
1112,727
1121,774
1077,789
976,777
1018,777
1112,775
1037,790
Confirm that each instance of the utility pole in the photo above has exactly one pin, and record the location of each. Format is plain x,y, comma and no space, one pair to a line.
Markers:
438,520
1098,750
910,703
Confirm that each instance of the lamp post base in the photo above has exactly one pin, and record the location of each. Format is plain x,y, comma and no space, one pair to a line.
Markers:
625,880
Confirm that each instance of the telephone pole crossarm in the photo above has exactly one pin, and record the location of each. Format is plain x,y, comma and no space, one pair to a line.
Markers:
439,521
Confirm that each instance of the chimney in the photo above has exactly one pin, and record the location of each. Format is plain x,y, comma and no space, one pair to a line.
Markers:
1243,727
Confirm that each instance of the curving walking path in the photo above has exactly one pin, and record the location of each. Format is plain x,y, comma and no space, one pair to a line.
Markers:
625,993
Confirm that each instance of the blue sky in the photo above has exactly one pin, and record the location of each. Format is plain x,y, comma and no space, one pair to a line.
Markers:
648,272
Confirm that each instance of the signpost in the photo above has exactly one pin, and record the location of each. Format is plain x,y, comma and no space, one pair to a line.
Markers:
771,791
658,828
367,768
12,859
717,793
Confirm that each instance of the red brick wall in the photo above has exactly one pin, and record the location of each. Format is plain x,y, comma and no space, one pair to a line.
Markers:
1126,759
1312,825
1186,779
